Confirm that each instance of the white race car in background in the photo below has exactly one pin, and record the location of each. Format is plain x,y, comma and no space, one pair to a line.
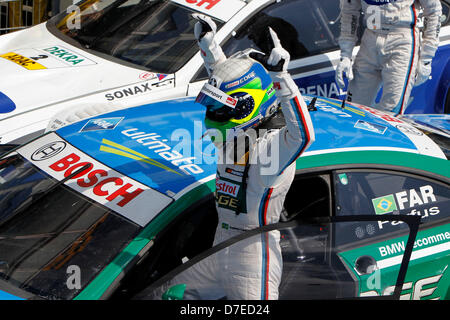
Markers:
103,55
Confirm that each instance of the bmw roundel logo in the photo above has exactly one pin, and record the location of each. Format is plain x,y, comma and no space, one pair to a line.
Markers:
48,151
213,81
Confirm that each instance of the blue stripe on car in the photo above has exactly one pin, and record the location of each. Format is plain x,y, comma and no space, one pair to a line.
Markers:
6,104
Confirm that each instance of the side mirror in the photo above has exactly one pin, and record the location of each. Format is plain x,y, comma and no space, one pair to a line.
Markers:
365,265
175,292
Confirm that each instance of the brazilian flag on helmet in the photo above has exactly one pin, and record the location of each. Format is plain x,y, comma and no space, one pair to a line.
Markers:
239,95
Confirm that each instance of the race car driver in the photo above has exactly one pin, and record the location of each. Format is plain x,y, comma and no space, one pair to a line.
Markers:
240,96
391,53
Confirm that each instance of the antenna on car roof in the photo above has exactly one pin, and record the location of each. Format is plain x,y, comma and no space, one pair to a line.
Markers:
343,102
312,105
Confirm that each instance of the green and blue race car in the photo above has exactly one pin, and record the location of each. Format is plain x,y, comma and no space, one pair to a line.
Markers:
114,206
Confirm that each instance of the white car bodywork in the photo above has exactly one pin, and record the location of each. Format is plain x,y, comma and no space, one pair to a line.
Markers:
77,84
40,94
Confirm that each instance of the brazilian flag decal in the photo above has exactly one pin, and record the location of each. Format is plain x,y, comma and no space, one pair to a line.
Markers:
385,204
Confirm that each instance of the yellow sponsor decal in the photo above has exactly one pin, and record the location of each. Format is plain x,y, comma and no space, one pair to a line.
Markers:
359,112
25,62
115,148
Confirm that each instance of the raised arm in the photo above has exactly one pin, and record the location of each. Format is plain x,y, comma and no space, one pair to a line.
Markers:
298,134
205,31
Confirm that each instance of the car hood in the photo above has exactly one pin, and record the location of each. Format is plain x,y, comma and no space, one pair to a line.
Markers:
146,143
35,62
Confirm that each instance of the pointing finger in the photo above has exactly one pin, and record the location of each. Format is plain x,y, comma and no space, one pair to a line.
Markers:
275,39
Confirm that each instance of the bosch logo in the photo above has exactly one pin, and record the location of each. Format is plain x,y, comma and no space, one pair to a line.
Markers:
103,183
209,3
48,151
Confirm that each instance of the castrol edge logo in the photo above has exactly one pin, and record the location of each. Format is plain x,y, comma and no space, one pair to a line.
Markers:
227,188
98,182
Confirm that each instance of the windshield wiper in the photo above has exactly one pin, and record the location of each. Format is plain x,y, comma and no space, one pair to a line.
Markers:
38,197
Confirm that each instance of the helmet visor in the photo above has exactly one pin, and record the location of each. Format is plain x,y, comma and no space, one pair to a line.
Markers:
210,96
220,106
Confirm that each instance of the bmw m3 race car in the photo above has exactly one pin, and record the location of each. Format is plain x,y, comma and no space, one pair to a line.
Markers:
101,56
113,206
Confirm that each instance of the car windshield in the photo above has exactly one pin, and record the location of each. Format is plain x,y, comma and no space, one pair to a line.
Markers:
154,34
53,241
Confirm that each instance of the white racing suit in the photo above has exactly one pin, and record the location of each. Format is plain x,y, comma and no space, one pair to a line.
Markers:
252,268
390,48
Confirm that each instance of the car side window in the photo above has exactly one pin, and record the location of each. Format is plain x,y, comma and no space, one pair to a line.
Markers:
379,193
304,27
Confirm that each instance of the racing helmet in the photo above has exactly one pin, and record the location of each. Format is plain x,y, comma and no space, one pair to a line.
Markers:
239,95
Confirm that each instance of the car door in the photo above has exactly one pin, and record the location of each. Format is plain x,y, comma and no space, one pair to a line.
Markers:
384,193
